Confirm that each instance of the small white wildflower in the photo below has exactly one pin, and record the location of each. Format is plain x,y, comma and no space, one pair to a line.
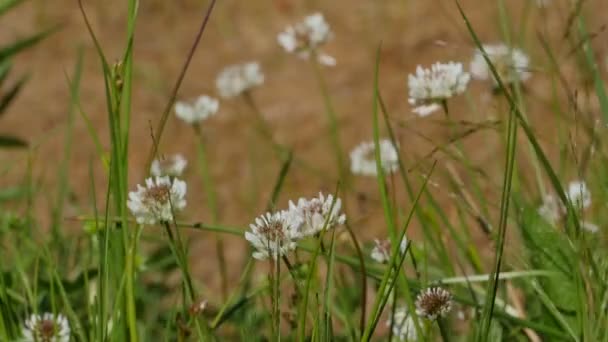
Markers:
46,328
312,215
237,79
511,64
403,325
199,110
272,235
429,88
590,227
433,302
382,250
363,162
304,38
158,200
550,209
172,166
579,194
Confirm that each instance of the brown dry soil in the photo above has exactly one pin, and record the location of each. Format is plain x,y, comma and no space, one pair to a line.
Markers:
412,32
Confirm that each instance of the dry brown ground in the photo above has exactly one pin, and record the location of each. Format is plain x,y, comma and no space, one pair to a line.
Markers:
412,32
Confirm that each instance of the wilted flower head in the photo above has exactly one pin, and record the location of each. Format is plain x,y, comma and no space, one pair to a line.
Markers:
429,88
403,325
158,200
363,162
579,194
433,302
382,250
46,328
237,79
199,110
173,166
511,64
312,215
272,235
305,38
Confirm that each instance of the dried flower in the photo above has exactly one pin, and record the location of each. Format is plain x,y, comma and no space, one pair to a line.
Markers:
363,162
272,235
310,216
157,201
433,302
579,194
172,166
237,79
429,88
46,328
403,325
382,250
199,110
511,64
305,38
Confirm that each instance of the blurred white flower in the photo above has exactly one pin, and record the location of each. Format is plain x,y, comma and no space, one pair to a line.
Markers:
46,328
382,250
272,235
199,110
172,166
579,194
429,88
550,209
363,162
543,3
590,227
403,325
237,79
304,38
158,200
312,215
433,302
511,64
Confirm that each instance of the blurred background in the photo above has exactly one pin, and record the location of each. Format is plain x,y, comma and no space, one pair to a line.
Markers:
243,167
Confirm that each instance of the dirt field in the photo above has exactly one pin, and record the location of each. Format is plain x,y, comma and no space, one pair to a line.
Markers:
412,32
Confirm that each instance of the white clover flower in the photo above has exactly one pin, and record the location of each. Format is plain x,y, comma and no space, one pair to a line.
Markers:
172,166
579,194
158,200
272,235
429,88
403,325
310,216
382,250
590,227
363,162
304,38
511,64
201,109
433,303
551,209
237,79
46,328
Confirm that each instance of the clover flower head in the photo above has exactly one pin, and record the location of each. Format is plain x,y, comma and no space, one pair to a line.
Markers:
46,328
173,166
511,64
313,215
306,37
590,227
551,209
433,303
363,162
237,79
403,325
157,200
382,250
197,111
578,193
429,88
272,235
